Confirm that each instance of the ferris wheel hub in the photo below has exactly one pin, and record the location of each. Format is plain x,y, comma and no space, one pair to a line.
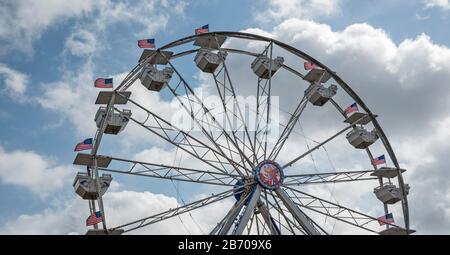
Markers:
269,174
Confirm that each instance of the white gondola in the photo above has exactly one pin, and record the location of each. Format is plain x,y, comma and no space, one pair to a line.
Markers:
84,159
116,121
360,117
265,67
84,185
318,94
317,76
360,138
155,57
388,193
208,61
154,79
210,41
387,172
104,97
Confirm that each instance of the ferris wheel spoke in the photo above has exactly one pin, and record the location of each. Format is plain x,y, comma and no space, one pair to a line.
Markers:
290,221
250,225
183,53
190,176
193,98
332,177
182,140
288,128
161,171
283,227
295,211
257,224
226,92
334,210
227,222
322,143
260,120
264,227
280,210
263,107
315,225
176,211
131,77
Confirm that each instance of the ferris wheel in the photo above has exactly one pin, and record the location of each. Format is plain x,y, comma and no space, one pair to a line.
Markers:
247,151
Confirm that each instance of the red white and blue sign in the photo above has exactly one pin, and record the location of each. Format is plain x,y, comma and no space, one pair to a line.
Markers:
269,174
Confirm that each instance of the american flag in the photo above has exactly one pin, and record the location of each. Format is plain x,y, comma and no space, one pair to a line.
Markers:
378,161
85,145
352,108
309,66
386,219
94,218
202,30
104,83
146,43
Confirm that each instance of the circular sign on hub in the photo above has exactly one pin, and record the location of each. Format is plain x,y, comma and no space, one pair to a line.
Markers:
269,174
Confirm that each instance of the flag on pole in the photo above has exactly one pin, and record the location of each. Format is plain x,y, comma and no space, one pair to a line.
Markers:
378,161
309,66
104,83
386,219
202,30
94,218
146,43
85,145
352,108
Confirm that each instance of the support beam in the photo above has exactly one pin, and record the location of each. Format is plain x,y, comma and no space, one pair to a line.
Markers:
322,143
249,210
332,177
296,212
234,213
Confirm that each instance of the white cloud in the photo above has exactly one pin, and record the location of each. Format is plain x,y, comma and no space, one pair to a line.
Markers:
120,207
279,10
150,14
25,21
32,171
443,4
15,83
73,97
81,43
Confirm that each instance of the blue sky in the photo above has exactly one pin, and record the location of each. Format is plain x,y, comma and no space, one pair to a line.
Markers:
50,46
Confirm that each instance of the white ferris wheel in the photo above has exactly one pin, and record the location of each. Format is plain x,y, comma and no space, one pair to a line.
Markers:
244,150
